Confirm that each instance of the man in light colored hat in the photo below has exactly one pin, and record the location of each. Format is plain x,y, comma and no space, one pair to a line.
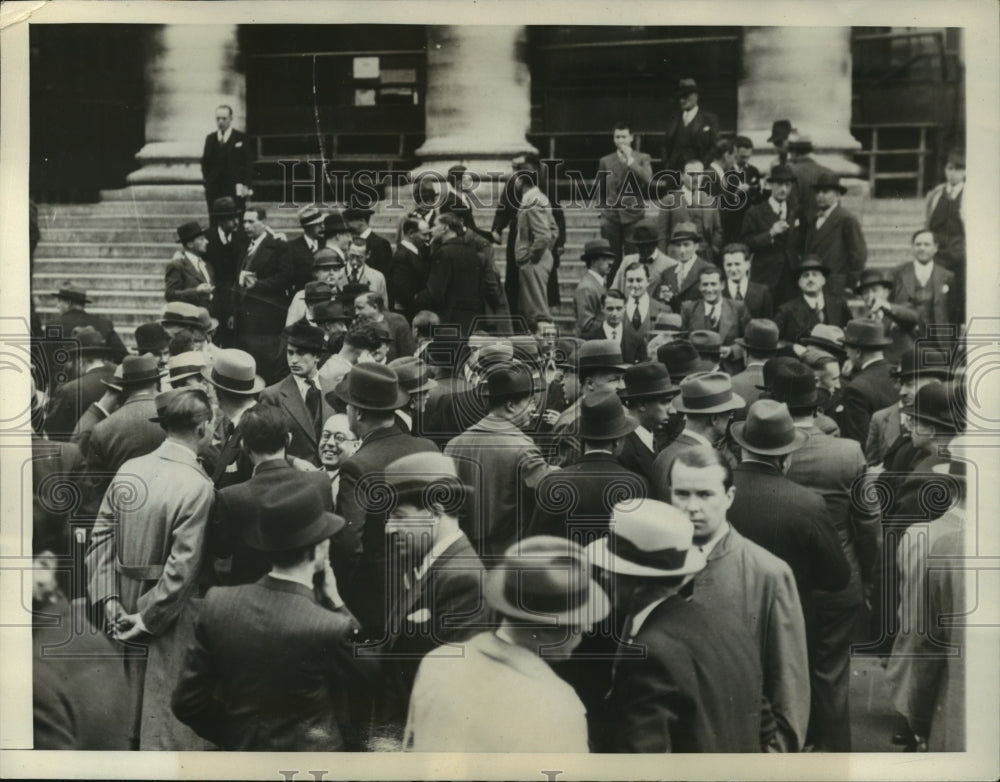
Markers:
647,395
233,376
686,678
499,693
597,257
414,379
709,405
434,578
71,300
300,250
870,387
185,370
758,587
145,559
835,235
793,523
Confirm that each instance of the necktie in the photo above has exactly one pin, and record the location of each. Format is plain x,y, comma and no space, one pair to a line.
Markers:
313,404
222,139
713,316
352,275
738,296
636,316
819,315
614,335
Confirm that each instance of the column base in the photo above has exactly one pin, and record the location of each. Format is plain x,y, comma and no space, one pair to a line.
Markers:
166,162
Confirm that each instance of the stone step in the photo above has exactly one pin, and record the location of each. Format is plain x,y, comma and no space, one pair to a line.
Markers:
55,275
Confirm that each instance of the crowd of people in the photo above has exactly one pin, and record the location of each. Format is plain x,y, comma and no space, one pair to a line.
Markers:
360,495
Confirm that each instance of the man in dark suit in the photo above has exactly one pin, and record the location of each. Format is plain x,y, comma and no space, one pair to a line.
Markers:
72,398
372,394
925,285
410,266
227,161
680,283
301,249
260,296
614,327
598,257
693,204
233,374
691,132
370,308
70,301
435,593
870,387
755,296
694,683
946,221
807,172
797,317
298,395
759,343
379,248
227,247
270,665
834,236
624,187
587,483
189,276
901,323
766,231
726,317
647,394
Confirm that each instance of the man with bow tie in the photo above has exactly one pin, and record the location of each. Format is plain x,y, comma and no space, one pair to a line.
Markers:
227,161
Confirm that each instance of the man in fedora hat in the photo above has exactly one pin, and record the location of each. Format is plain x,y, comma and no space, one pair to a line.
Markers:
686,678
928,287
334,318
189,276
726,317
692,203
233,375
227,161
227,247
299,395
640,308
708,343
646,240
781,129
680,283
708,404
767,228
900,322
153,338
797,527
759,342
184,370
71,300
500,694
414,379
681,358
328,270
604,425
757,587
68,401
597,257
870,387
145,559
647,395
272,664
435,593
299,251
691,132
496,457
834,235
816,303
623,177
371,394
614,328
756,297
807,171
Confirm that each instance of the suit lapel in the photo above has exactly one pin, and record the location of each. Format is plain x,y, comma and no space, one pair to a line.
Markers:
294,404
194,269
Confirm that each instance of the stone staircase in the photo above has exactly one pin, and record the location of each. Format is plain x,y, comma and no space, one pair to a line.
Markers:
118,248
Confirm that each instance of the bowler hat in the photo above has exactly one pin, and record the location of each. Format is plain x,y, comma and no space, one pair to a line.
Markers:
139,370
681,359
770,369
812,263
74,293
189,231
352,290
686,86
188,364
302,335
413,374
358,212
309,215
769,429
874,277
370,386
708,343
645,234
647,538
708,392
325,257
650,379
865,333
151,338
600,354
781,173
829,181
546,580
289,516
234,371
828,337
224,207
334,223
315,292
937,403
180,313
924,361
603,417
597,248
427,479
90,341
794,384
761,336
684,231
509,381
780,130
330,312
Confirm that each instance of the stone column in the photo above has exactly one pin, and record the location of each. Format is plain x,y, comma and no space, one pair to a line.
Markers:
802,74
478,98
191,70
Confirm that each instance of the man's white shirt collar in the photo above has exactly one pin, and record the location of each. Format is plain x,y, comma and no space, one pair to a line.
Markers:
709,546
409,246
740,286
816,303
778,207
645,436
597,276
923,271
435,553
226,135
699,437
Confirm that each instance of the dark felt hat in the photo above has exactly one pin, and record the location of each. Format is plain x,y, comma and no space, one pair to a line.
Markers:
90,342
567,353
74,293
829,181
370,386
331,312
358,212
291,515
151,338
937,403
188,231
686,86
597,248
334,223
781,173
794,384
865,333
600,354
325,257
706,342
685,231
769,429
509,381
761,336
427,479
603,417
681,359
780,130
874,277
302,335
413,374
225,207
924,361
812,263
645,234
316,292
648,380
139,370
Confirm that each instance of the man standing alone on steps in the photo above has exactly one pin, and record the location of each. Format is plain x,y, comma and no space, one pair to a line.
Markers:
227,162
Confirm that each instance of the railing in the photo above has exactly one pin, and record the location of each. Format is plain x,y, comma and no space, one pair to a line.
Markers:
874,154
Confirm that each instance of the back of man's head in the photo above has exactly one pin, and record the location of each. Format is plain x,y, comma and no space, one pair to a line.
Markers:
186,411
264,429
